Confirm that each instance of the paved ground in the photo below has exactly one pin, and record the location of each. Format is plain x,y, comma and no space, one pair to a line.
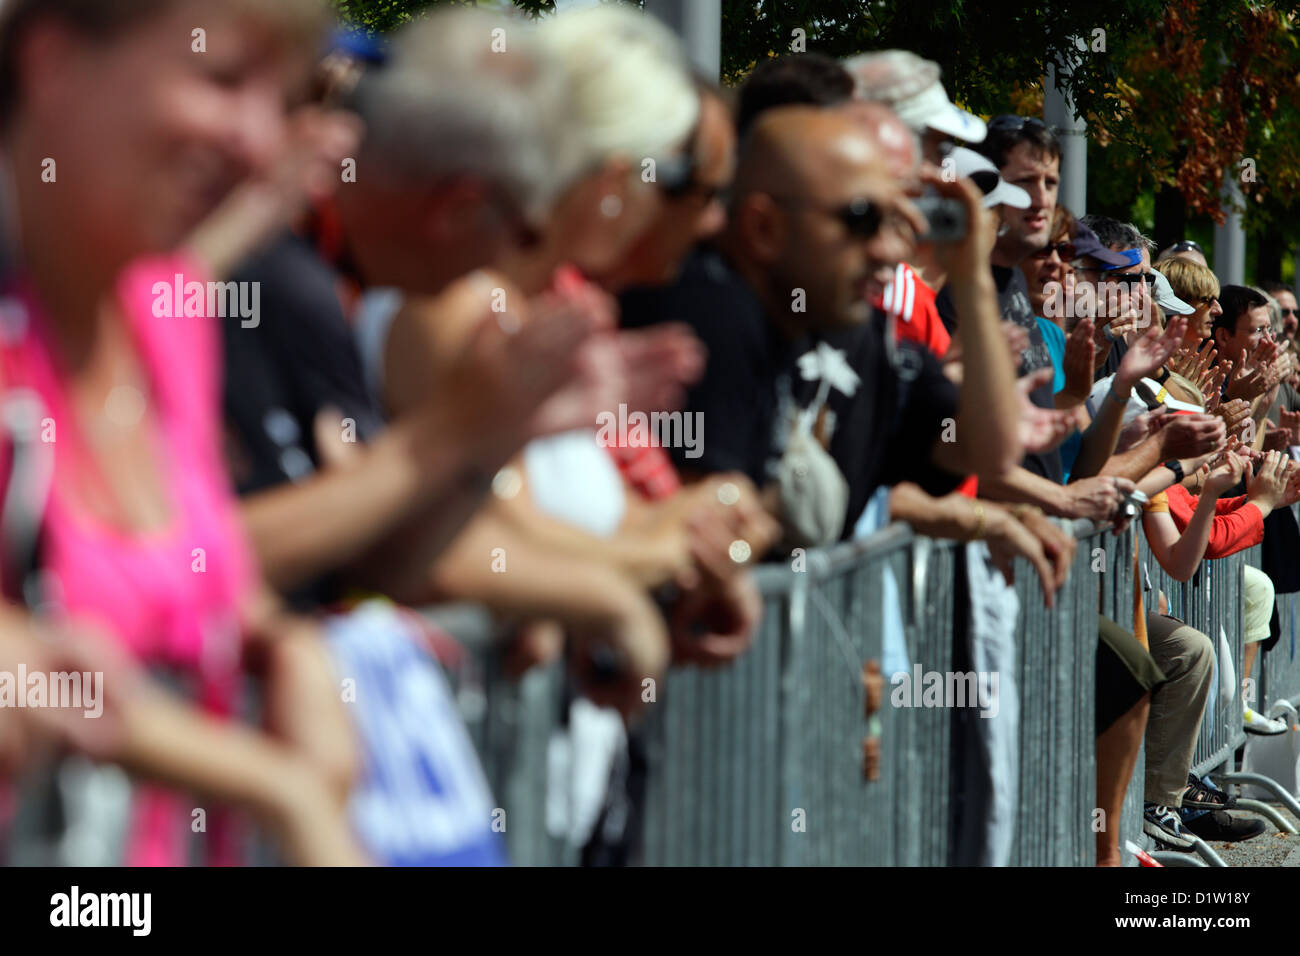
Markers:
1267,849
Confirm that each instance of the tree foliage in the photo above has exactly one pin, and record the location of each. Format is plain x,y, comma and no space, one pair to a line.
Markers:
1183,91
381,16
1176,94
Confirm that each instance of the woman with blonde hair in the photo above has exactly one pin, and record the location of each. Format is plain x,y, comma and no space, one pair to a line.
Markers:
1198,286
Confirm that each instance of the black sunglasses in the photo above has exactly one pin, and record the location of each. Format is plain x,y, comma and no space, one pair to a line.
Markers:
676,174
1187,245
1132,278
1064,249
861,217
1286,312
684,185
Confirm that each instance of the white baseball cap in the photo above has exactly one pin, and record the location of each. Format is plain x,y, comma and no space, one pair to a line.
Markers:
1166,299
997,191
909,85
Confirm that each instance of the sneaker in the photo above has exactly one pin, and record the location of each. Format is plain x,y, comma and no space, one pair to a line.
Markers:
1204,795
1161,823
1258,724
1221,825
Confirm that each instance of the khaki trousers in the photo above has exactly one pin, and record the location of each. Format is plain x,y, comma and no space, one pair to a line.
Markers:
1186,657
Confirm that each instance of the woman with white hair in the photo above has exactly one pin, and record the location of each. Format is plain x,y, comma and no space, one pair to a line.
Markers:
634,106
635,110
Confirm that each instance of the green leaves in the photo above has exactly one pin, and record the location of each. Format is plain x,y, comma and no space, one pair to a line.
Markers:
1175,93
381,16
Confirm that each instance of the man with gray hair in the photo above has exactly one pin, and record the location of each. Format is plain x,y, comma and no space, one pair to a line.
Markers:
909,85
465,150
455,163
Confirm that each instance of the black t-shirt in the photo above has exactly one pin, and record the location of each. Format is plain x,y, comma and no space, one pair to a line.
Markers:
737,393
1014,306
880,434
886,432
299,359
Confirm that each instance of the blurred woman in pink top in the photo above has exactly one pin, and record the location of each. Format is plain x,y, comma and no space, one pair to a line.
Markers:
124,124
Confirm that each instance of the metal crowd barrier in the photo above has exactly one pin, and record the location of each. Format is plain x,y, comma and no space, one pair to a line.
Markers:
1211,601
760,763
1111,561
1057,652
1199,602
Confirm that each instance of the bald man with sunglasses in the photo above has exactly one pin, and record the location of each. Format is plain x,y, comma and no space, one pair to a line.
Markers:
817,227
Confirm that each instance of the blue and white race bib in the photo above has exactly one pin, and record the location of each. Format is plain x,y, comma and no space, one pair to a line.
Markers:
423,799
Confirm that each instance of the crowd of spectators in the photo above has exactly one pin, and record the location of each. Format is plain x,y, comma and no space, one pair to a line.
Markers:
291,344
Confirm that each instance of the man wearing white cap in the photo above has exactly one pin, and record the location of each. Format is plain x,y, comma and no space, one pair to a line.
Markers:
909,85
981,171
907,297
908,88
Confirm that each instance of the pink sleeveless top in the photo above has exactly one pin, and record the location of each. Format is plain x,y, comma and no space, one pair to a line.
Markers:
171,597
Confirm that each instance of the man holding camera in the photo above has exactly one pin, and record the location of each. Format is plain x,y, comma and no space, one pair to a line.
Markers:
817,228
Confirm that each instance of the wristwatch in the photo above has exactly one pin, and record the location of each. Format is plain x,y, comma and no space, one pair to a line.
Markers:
1174,465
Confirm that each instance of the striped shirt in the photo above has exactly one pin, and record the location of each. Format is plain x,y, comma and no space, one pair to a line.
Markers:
911,301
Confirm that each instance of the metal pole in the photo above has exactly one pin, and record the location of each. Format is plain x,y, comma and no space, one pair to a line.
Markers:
1058,113
699,24
1230,238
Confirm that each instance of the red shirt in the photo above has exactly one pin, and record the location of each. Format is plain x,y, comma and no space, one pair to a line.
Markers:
908,298
648,469
1235,527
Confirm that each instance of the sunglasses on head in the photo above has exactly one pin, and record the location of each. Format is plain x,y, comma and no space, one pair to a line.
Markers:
1010,123
1187,245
